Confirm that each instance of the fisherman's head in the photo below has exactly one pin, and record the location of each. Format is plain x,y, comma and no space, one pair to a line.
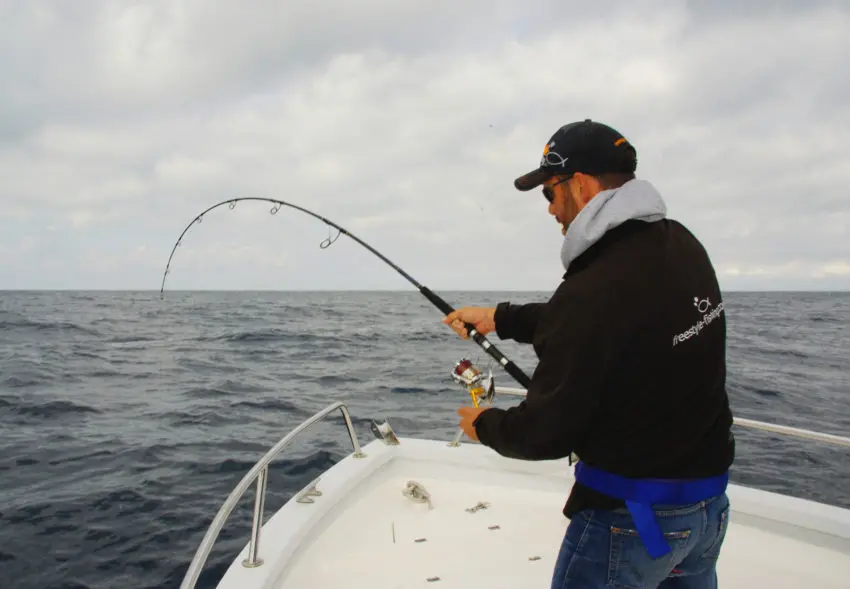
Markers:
580,160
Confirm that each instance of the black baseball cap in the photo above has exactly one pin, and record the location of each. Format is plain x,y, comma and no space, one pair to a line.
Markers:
583,146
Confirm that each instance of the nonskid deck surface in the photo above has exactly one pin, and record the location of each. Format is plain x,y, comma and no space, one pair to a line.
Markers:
385,540
378,538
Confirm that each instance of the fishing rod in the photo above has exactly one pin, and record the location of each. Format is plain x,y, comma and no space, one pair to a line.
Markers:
435,299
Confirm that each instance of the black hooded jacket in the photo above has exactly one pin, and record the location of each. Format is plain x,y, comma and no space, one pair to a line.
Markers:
632,364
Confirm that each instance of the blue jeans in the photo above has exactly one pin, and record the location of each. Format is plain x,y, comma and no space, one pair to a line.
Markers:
602,549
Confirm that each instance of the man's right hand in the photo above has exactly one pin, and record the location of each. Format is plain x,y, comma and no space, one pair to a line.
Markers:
483,318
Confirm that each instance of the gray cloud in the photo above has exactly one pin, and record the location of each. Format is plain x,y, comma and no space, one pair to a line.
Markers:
408,121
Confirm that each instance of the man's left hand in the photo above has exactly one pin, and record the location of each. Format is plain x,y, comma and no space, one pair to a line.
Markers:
467,416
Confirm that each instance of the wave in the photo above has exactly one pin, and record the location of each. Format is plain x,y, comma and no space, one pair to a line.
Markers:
15,321
49,409
759,391
313,463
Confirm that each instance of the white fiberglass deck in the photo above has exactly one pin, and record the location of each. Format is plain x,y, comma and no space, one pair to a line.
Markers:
364,532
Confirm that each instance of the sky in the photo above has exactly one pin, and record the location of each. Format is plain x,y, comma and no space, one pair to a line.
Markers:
406,122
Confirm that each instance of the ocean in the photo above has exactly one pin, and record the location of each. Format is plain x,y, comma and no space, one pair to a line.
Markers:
127,419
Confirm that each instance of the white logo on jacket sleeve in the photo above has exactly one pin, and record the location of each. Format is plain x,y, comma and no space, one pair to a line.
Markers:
702,306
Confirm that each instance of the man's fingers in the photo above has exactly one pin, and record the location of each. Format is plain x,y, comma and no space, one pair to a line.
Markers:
459,328
454,321
451,318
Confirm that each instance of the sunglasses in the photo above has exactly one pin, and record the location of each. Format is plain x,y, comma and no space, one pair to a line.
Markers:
549,193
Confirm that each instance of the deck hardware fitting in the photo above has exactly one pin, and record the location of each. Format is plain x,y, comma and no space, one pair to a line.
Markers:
479,505
311,491
384,432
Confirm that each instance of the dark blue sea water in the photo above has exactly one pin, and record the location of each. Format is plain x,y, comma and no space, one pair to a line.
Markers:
126,419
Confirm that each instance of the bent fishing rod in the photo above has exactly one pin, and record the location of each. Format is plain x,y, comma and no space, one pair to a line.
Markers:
435,299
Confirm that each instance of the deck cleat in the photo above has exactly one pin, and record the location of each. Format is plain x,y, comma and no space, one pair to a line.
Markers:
306,496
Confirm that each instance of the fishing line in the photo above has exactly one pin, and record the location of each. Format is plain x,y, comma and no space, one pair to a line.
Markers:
435,299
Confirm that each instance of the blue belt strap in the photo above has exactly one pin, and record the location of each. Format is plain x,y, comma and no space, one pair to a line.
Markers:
641,494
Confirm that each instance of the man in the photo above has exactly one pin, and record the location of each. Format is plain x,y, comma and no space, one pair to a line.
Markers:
631,375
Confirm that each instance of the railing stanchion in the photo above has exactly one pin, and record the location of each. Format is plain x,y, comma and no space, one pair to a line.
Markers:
253,559
260,473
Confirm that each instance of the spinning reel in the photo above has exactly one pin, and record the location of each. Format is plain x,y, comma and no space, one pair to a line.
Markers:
473,380
479,387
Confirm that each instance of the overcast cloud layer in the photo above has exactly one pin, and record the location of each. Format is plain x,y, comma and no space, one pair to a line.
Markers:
406,122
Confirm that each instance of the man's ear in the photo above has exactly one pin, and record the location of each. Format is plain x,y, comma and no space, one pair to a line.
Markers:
587,187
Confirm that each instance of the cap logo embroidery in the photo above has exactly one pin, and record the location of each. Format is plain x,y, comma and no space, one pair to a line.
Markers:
551,158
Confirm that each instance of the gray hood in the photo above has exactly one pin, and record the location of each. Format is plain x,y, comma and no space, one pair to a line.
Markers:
636,199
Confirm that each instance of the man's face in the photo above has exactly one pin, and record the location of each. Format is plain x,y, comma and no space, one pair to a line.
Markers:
562,205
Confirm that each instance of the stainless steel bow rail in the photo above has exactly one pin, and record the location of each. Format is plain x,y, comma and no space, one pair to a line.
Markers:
751,423
259,472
